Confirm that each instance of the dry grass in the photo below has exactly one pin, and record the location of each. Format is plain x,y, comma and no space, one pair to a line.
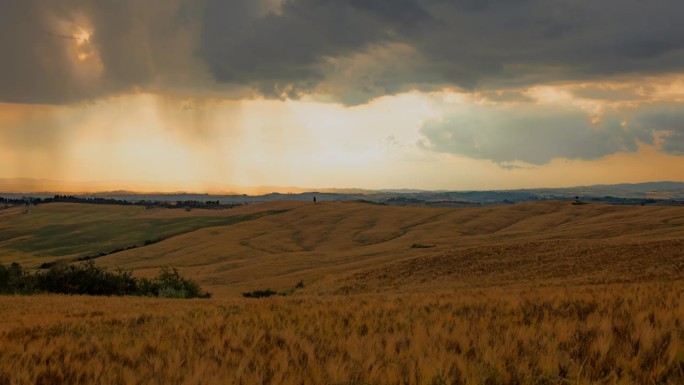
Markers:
619,334
330,244
531,264
535,293
356,247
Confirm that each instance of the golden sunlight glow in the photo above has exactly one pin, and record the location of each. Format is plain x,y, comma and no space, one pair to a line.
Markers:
84,48
209,96
155,142
82,36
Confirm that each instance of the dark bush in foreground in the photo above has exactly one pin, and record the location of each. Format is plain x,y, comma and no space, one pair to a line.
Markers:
259,293
13,279
170,284
268,292
87,278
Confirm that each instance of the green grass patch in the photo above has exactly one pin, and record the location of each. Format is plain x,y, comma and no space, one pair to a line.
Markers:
95,235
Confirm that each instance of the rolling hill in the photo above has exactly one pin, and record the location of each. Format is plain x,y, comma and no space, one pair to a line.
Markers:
353,247
529,293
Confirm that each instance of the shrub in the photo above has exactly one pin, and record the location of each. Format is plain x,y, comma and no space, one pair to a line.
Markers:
269,292
14,280
87,278
259,293
172,285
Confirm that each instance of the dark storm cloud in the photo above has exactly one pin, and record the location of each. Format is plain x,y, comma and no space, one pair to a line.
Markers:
33,63
527,41
537,135
285,48
146,42
132,44
467,43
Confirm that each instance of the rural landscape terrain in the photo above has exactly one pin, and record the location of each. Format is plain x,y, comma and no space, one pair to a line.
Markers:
341,192
548,292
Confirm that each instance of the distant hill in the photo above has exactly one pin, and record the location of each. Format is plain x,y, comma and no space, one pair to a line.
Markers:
637,193
657,190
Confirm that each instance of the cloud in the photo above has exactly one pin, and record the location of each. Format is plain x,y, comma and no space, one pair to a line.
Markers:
73,50
668,123
531,135
511,167
537,134
287,54
34,66
490,43
291,48
469,44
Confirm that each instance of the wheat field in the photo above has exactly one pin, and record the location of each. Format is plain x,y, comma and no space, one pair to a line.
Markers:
534,293
614,334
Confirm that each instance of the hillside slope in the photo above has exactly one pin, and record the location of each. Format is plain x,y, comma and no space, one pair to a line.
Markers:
33,235
357,247
339,248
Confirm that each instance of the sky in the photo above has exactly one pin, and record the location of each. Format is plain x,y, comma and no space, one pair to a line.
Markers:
243,95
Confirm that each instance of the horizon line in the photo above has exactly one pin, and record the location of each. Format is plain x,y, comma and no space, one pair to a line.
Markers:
267,190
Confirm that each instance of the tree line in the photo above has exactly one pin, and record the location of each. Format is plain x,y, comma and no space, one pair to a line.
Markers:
186,204
87,278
